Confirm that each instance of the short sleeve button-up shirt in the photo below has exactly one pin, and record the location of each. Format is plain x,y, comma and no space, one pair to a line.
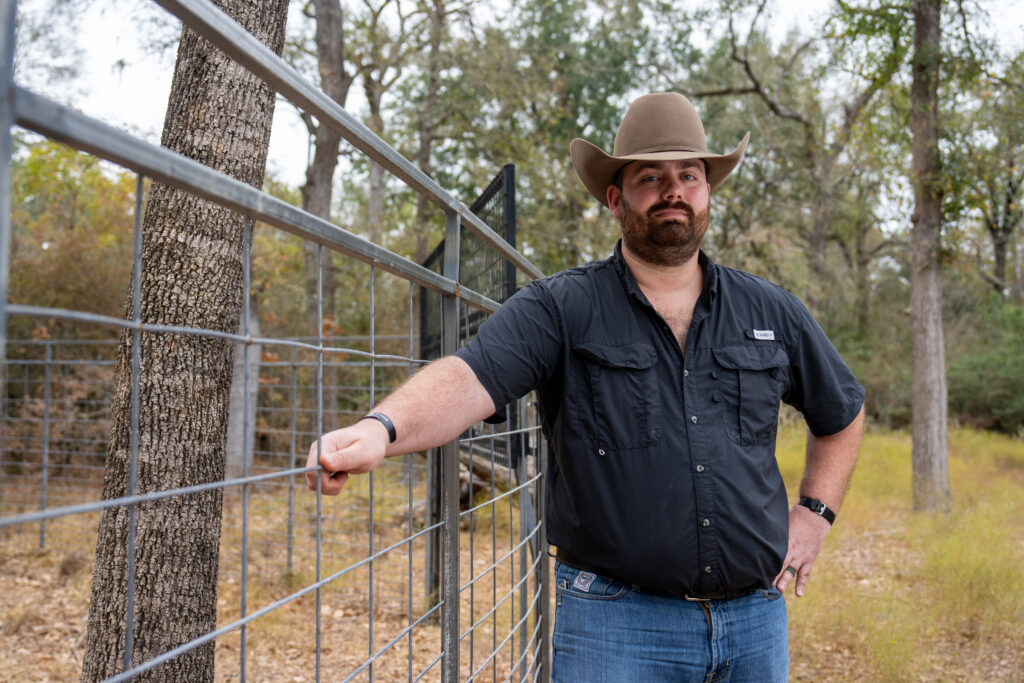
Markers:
663,470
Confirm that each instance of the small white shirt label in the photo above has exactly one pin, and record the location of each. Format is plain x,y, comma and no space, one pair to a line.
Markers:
764,335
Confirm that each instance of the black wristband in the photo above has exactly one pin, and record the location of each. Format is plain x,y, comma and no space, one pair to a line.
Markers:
818,508
386,421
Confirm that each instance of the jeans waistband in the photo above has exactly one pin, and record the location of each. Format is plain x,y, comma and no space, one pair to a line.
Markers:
573,561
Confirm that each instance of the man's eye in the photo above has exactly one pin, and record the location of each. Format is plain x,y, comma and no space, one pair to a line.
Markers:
649,179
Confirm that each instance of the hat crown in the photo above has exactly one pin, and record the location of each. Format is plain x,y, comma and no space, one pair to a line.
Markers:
660,122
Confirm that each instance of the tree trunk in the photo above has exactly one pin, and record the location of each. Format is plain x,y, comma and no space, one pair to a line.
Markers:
428,125
318,192
930,456
999,244
316,199
375,203
192,260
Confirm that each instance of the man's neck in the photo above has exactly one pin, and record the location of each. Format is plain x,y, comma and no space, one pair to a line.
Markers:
657,280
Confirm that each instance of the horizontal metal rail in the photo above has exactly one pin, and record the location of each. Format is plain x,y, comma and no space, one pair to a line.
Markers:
97,506
111,321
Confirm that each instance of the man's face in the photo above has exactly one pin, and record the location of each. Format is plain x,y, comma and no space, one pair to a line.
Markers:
663,207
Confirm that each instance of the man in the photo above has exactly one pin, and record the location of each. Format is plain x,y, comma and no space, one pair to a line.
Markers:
659,376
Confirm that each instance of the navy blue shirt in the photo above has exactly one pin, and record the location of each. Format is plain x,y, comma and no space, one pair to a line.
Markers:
663,470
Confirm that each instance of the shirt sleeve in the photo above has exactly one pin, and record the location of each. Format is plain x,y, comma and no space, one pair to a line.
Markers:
822,386
517,348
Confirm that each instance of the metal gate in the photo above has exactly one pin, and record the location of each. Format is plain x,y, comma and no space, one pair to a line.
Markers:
345,580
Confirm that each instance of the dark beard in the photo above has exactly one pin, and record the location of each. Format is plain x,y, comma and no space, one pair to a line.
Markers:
669,242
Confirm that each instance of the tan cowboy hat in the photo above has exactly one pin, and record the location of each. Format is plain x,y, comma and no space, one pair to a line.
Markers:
657,127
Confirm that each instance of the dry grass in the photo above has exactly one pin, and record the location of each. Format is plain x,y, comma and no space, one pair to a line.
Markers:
903,596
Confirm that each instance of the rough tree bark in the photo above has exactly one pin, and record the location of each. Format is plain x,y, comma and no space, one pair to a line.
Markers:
930,455
192,260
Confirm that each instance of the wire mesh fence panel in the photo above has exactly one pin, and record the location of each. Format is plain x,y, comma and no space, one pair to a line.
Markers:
432,567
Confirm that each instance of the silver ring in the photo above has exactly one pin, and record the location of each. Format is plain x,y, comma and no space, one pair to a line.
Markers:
791,571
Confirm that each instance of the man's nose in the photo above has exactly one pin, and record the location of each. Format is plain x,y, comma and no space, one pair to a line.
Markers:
672,188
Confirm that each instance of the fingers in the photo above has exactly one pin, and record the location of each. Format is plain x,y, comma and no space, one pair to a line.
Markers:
792,574
353,450
807,533
330,482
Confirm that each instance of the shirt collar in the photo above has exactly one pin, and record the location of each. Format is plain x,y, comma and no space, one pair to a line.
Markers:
709,292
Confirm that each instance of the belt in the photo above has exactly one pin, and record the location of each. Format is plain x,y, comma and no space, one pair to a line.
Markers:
571,560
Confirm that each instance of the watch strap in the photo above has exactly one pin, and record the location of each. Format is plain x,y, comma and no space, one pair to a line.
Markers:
818,508
386,421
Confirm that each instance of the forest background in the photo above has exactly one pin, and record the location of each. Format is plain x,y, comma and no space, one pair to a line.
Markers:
821,203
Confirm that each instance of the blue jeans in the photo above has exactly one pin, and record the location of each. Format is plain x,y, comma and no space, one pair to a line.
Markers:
605,630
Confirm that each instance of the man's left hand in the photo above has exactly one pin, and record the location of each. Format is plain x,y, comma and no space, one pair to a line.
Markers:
807,532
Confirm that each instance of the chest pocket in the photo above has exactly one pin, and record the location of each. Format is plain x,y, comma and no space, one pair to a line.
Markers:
623,410
751,379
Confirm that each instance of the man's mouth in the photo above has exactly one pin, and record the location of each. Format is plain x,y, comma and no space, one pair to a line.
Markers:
672,211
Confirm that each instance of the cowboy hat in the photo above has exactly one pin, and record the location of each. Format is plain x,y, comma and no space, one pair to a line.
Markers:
657,127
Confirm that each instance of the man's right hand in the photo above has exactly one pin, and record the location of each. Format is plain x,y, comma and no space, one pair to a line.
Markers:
352,450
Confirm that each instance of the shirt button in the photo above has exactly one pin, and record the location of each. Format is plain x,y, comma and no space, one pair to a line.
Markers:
708,569
705,523
600,451
686,373
700,468
694,419
715,398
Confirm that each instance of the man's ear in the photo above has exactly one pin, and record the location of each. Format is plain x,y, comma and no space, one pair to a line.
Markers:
614,195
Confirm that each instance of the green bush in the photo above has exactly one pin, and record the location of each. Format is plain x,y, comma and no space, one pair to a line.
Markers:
986,378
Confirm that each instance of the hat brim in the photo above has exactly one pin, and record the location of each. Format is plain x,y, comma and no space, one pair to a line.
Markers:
597,169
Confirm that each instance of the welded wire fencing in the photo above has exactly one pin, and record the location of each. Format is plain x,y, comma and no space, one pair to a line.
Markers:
433,567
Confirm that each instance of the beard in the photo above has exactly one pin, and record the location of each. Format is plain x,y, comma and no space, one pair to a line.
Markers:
665,242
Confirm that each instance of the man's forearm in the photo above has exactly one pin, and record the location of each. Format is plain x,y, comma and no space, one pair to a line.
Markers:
435,405
830,463
431,408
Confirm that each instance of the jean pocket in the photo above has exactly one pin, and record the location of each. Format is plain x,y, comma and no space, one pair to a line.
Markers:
577,583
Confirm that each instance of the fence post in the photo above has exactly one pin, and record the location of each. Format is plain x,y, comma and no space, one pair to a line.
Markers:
47,378
450,469
7,16
545,584
291,459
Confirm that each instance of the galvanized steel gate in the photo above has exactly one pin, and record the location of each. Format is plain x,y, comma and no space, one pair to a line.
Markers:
477,629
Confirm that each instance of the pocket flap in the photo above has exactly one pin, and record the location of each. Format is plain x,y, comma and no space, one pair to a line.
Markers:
752,357
633,356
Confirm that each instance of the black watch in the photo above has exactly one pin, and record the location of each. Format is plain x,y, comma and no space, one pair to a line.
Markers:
386,421
818,508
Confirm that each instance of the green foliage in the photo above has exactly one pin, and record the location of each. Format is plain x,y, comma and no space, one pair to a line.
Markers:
986,379
72,221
